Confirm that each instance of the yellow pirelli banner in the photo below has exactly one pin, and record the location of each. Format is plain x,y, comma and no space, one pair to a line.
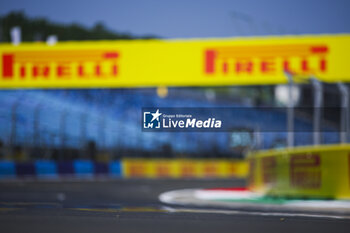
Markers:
307,172
211,62
184,168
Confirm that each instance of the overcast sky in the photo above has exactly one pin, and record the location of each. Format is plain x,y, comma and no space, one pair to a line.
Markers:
195,18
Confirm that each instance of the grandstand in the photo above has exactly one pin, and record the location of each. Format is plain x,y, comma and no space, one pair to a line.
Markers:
68,124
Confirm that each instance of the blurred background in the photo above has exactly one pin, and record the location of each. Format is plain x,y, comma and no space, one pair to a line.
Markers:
67,124
66,155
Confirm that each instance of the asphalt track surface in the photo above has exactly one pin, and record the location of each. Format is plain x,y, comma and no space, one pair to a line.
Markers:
133,206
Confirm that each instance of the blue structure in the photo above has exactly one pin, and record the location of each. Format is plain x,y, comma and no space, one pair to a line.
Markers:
111,118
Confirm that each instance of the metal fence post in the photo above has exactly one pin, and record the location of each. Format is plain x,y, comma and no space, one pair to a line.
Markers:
290,112
83,130
318,101
344,112
103,132
13,135
63,132
36,125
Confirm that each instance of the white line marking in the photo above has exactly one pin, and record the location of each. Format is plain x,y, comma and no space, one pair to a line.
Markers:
253,213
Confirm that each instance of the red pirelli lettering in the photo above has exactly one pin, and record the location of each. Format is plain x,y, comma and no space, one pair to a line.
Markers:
210,61
7,66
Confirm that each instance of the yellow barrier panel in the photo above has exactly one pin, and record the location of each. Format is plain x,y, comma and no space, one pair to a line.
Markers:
241,61
316,172
184,168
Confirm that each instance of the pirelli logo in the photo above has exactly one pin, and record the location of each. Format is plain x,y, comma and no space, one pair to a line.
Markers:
63,64
131,64
266,59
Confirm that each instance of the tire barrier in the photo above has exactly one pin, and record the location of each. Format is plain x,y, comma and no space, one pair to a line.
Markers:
303,172
126,168
52,169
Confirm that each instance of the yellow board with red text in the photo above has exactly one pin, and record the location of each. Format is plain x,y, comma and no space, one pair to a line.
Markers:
148,63
307,172
184,168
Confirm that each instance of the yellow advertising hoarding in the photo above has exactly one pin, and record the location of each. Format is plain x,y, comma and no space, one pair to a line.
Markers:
311,171
211,62
184,168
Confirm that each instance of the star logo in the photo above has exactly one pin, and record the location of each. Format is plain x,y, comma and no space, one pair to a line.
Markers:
156,115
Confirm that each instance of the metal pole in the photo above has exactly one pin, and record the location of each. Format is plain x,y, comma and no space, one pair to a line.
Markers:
257,136
103,132
318,102
13,135
344,112
83,122
36,124
290,112
63,132
13,124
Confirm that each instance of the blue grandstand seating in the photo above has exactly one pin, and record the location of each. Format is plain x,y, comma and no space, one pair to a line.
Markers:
111,119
